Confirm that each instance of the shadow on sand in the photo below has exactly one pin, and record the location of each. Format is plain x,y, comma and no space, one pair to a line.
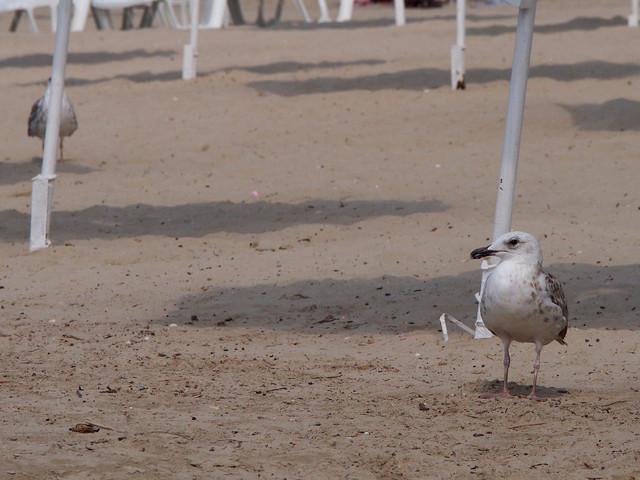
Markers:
13,173
418,79
598,297
33,60
582,24
615,115
199,219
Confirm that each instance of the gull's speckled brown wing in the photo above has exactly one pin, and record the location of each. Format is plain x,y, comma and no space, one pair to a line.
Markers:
35,118
554,289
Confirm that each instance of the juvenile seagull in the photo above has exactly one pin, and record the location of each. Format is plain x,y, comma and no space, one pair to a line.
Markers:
38,118
521,301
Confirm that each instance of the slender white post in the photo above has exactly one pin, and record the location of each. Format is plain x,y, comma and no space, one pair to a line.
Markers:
633,18
458,68
190,59
42,184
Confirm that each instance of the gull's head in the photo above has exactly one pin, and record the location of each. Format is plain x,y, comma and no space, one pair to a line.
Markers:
515,246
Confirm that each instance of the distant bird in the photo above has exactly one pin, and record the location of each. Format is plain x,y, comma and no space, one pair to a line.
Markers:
38,118
521,301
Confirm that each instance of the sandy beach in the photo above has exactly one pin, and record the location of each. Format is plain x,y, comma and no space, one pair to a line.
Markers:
248,269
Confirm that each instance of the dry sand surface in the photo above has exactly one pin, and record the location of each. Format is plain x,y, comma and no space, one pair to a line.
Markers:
247,269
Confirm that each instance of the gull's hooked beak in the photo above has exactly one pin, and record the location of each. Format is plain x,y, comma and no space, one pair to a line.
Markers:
484,252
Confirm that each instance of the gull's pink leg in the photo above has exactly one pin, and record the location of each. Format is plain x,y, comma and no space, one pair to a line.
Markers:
536,368
506,362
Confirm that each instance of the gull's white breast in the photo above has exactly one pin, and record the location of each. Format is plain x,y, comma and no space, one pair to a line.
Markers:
516,304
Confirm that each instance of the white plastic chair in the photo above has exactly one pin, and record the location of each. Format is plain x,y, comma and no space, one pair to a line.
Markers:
215,14
167,8
346,11
215,11
80,12
102,8
20,7
102,11
164,10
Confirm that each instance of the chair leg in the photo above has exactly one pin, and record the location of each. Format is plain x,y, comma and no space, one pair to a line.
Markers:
184,14
303,11
260,20
16,19
236,12
163,16
147,17
278,14
80,13
213,14
102,18
32,21
168,15
324,12
127,18
399,12
54,18
150,14
346,11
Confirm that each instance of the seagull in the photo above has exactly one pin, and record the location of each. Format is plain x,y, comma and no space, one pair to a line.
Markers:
520,301
38,117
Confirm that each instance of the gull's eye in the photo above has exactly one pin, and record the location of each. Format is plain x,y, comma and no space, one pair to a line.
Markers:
513,242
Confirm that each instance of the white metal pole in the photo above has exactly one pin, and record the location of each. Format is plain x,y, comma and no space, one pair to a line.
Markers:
510,148
512,135
42,184
513,122
190,58
458,68
461,22
633,18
